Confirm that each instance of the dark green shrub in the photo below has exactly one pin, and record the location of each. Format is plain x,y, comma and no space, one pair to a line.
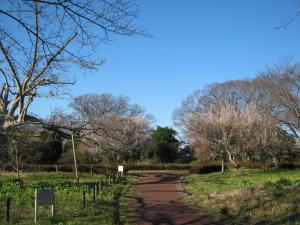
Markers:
283,182
297,183
279,184
289,165
205,168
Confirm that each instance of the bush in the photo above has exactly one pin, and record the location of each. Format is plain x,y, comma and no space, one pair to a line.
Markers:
297,183
205,168
283,182
279,184
289,165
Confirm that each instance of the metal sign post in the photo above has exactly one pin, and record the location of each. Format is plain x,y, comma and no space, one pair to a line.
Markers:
44,197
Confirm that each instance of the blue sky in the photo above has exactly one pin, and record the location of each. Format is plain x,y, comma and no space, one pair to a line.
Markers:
195,42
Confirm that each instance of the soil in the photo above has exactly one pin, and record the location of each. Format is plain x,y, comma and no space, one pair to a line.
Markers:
157,200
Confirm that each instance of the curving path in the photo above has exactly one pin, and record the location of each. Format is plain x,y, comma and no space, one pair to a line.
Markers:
157,201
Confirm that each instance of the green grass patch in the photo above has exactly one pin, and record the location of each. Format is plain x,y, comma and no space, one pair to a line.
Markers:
270,197
110,206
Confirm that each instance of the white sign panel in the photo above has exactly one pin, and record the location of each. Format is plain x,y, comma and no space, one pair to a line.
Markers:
121,169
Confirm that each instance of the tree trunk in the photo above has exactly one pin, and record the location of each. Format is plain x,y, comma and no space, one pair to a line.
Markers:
240,170
75,159
223,166
276,162
17,160
263,165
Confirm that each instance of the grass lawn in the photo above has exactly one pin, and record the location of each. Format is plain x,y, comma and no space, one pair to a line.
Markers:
271,197
110,206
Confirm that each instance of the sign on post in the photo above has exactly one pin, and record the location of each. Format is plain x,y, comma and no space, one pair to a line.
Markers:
121,170
44,197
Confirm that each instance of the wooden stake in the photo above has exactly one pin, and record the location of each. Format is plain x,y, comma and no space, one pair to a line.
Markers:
7,211
100,184
94,193
83,199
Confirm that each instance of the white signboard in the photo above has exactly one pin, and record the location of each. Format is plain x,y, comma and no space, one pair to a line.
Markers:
44,197
121,169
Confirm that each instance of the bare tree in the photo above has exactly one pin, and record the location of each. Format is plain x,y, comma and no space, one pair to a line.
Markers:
219,130
237,93
41,39
237,134
291,19
119,129
281,86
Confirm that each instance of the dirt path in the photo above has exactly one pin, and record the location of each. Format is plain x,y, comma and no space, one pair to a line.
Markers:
157,201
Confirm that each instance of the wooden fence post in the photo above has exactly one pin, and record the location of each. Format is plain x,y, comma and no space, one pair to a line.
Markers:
94,193
83,199
98,188
7,209
100,184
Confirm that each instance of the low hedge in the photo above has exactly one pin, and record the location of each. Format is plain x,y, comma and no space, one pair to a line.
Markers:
206,168
194,168
112,168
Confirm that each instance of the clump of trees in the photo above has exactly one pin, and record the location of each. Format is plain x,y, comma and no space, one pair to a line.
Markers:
242,121
163,145
35,146
111,129
31,145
